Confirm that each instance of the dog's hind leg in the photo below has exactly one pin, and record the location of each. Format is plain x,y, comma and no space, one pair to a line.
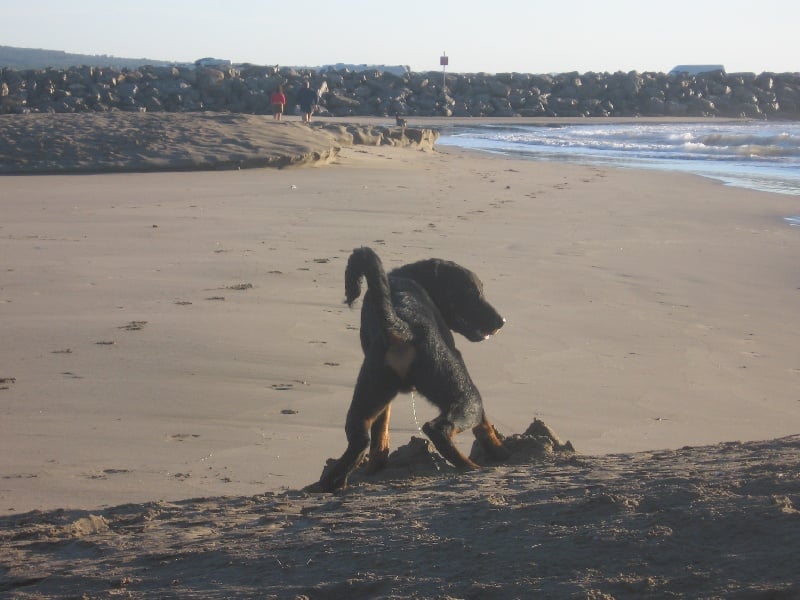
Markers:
379,444
375,389
335,478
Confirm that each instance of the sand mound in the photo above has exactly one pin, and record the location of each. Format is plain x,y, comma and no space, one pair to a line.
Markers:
137,142
418,458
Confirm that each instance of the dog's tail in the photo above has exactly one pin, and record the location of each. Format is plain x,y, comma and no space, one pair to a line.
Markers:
364,262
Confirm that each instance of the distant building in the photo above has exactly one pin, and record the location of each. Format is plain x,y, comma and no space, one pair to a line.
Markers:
212,62
696,69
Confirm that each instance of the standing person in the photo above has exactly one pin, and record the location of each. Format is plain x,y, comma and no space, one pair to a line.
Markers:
278,100
307,99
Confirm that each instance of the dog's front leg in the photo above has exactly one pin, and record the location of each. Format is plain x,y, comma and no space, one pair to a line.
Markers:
441,433
486,435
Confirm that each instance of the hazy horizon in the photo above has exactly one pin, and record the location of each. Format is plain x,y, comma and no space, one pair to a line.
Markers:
525,36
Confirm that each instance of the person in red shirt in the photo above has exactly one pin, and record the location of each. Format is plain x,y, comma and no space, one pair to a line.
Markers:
278,100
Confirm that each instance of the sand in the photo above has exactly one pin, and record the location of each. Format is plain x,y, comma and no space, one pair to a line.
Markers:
177,363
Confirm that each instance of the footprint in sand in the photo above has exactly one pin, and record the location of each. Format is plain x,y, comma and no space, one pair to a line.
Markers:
20,476
133,326
181,437
107,472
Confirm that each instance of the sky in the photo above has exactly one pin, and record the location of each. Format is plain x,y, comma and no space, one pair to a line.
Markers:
528,36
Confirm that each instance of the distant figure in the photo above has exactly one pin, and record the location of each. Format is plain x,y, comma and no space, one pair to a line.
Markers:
278,100
400,121
307,99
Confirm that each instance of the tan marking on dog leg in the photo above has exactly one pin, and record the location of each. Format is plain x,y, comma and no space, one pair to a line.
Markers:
379,445
486,435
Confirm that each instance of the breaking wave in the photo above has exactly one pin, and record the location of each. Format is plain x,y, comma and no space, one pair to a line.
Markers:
756,155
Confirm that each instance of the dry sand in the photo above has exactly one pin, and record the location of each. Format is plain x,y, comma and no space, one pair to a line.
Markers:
169,336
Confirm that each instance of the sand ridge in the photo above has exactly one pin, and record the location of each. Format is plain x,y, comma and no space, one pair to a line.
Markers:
705,522
145,142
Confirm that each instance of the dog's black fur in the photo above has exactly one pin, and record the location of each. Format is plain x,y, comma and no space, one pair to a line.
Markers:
400,121
406,323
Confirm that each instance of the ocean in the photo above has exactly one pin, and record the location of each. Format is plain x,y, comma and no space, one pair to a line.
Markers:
760,155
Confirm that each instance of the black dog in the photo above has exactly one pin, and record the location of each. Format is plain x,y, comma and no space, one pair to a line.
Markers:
400,121
406,320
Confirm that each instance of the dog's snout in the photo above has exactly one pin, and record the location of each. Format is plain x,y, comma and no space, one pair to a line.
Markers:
497,325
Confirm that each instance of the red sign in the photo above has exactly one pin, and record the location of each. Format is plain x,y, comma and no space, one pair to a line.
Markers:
443,61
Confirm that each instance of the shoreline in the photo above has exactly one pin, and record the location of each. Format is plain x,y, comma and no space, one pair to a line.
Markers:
114,142
111,142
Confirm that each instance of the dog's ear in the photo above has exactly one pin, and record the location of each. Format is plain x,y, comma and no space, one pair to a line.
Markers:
458,294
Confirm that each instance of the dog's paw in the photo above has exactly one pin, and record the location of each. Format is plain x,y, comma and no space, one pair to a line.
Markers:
331,482
377,461
314,488
325,487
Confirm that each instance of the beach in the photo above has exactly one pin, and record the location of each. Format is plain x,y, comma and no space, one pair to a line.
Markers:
171,336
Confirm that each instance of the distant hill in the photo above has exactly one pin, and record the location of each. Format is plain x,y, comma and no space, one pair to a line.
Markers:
36,58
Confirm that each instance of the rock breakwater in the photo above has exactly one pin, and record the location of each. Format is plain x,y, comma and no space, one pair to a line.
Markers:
246,89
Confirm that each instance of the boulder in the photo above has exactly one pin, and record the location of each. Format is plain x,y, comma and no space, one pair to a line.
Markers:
499,89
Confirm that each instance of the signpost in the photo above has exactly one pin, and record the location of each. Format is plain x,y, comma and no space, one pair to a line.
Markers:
443,60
